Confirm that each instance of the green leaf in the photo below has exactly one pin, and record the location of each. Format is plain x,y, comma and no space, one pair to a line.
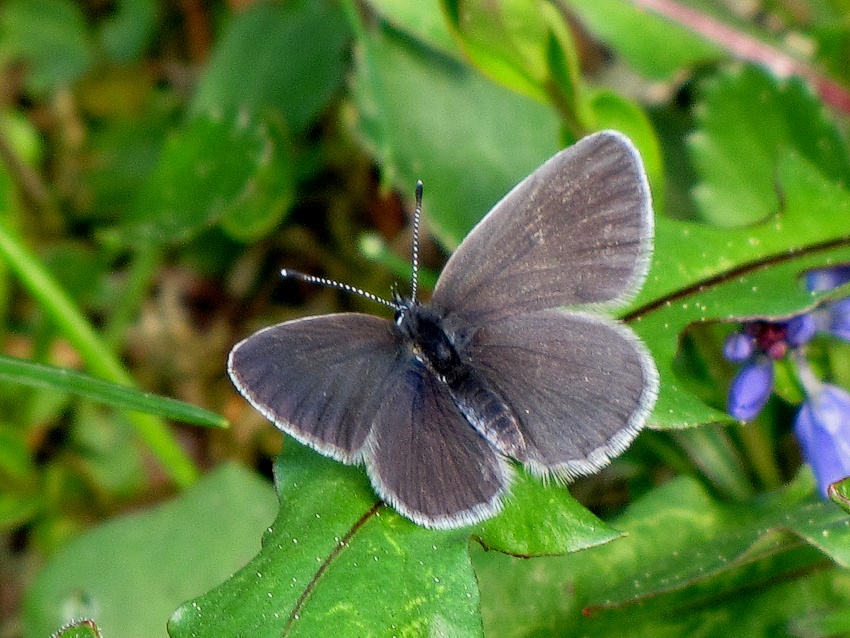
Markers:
130,573
51,37
338,561
651,44
79,629
700,273
290,56
540,521
270,194
36,375
690,254
127,32
706,558
424,20
528,48
747,122
743,534
839,492
473,142
213,169
508,41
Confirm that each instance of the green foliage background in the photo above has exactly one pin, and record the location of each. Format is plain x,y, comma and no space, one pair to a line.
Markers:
160,162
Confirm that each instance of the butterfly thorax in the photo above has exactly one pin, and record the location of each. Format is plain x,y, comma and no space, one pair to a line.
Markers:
423,329
484,408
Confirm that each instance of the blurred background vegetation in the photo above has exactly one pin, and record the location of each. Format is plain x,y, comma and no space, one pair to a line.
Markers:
161,161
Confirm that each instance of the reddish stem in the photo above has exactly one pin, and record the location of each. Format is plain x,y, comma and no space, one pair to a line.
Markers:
749,48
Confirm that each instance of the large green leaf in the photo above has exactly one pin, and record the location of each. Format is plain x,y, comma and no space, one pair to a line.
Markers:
338,561
472,142
130,573
653,45
290,56
51,37
475,140
701,273
747,122
743,534
697,565
235,169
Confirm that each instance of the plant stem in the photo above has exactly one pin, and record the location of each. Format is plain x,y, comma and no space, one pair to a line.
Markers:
711,451
760,453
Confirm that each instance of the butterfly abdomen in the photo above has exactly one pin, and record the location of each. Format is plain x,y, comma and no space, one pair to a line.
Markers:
489,414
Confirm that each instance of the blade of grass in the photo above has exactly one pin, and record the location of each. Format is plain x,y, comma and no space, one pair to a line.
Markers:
100,360
38,375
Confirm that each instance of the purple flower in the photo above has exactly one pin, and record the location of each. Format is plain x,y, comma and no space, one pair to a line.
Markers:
751,389
800,330
757,347
839,318
832,316
828,278
822,428
822,425
738,347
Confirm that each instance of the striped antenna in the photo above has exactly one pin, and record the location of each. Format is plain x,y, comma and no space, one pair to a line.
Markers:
417,214
330,283
398,303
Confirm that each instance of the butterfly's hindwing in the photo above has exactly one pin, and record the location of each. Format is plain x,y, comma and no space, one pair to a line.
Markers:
427,461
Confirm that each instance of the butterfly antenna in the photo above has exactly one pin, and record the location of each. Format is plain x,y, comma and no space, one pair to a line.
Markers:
417,215
330,283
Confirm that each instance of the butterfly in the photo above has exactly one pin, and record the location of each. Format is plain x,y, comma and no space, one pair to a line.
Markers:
510,359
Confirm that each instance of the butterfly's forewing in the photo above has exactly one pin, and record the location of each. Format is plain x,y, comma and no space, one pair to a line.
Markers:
580,385
320,379
424,458
576,231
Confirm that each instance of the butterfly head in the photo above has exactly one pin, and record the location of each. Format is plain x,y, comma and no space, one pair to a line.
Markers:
401,304
422,328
